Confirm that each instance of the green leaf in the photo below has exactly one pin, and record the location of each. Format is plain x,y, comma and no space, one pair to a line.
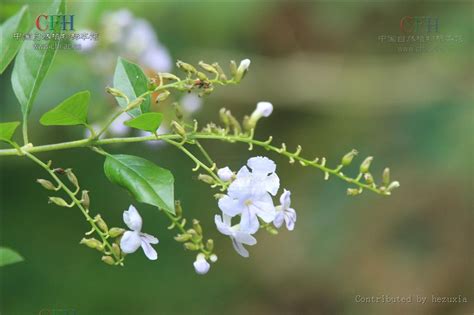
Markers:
31,64
147,182
130,79
19,23
7,130
72,111
148,122
9,256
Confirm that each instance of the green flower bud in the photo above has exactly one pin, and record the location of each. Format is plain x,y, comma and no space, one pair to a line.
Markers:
208,67
178,129
185,66
85,199
347,159
191,246
393,185
224,117
169,76
177,208
101,223
234,123
197,226
134,104
353,191
201,76
218,196
221,72
46,184
206,178
210,244
58,201
183,237
242,70
108,260
270,229
72,178
115,232
364,167
386,176
213,258
162,96
116,250
178,112
233,68
92,243
115,92
246,123
369,179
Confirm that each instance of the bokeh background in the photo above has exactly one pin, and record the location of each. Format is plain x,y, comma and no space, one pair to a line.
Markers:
336,85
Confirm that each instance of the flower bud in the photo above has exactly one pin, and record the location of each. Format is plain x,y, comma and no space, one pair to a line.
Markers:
208,67
393,185
242,70
221,72
72,178
201,76
178,128
347,159
178,112
85,199
92,243
206,178
219,196
177,208
213,258
225,174
206,91
210,244
115,232
364,167
197,226
353,192
185,66
114,92
134,104
108,260
369,179
224,117
101,223
191,246
183,237
264,109
162,96
116,250
169,76
234,123
270,229
46,184
58,201
233,68
201,265
386,176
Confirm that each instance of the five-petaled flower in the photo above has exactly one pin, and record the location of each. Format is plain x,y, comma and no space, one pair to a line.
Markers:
284,212
237,236
133,239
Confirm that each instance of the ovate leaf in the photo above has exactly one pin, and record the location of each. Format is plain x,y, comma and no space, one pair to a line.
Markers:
9,256
72,111
32,64
7,130
19,23
130,79
147,182
148,122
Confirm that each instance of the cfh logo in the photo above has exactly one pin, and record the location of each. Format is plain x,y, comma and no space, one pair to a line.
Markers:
419,24
48,22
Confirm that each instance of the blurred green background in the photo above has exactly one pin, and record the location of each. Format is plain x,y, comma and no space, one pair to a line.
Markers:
335,86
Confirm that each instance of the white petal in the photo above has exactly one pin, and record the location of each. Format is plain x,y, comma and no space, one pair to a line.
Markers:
249,222
230,206
225,174
240,249
261,164
132,219
149,238
221,226
285,199
130,242
245,238
290,219
278,221
201,265
149,251
242,183
244,65
264,109
272,183
264,208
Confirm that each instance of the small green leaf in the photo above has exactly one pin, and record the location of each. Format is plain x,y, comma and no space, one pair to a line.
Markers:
130,79
19,23
32,64
72,111
7,130
147,182
148,121
9,256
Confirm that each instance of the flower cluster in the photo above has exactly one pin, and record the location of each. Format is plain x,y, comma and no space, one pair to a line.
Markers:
249,196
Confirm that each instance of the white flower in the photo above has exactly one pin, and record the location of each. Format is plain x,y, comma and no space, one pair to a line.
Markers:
133,239
225,174
249,196
244,65
201,265
284,212
191,102
237,236
264,109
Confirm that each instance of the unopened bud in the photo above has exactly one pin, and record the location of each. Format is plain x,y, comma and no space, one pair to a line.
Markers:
210,245
206,91
72,178
364,167
246,123
263,109
242,69
234,123
101,223
233,68
206,178
270,229
219,196
162,96
197,226
213,258
58,201
221,72
169,76
393,185
115,232
178,128
369,179
114,92
178,112
386,176
134,104
347,159
224,117
177,208
201,76
185,66
92,243
353,192
191,246
108,260
116,250
46,184
183,237
85,200
208,67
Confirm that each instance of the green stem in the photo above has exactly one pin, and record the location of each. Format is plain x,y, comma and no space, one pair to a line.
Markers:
25,129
